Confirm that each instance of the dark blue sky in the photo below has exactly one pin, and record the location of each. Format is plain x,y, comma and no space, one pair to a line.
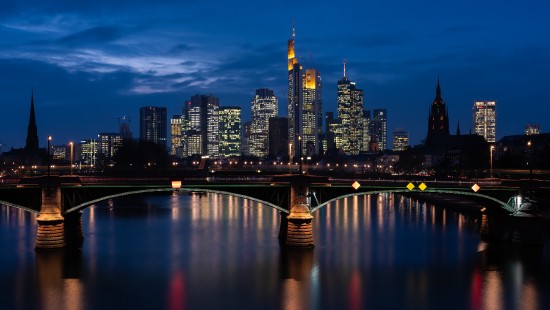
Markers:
93,61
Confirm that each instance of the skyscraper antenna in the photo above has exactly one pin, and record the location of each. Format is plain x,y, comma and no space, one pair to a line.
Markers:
293,30
344,67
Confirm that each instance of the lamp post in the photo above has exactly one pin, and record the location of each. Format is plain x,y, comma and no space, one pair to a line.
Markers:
48,161
71,159
491,159
530,147
301,158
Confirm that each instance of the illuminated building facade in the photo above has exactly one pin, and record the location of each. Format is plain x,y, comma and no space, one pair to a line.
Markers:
176,140
153,125
484,119
87,152
264,106
378,128
202,117
400,140
438,121
109,143
350,113
311,112
230,131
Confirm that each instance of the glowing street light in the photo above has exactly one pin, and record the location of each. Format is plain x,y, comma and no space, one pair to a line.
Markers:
71,159
491,159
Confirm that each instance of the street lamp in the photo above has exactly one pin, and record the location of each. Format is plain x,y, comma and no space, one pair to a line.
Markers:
530,147
301,158
491,159
71,159
48,161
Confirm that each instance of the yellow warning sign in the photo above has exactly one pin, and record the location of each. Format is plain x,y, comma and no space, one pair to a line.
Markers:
422,186
410,186
355,185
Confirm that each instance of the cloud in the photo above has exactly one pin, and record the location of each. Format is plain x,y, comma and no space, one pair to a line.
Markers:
95,35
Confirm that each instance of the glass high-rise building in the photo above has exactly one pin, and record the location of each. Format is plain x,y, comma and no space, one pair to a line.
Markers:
202,117
484,119
350,113
176,141
264,106
378,128
311,112
295,85
230,131
153,125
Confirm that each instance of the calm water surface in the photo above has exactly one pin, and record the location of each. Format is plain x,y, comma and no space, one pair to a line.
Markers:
182,251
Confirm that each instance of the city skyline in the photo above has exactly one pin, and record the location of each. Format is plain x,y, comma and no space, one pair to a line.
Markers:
91,64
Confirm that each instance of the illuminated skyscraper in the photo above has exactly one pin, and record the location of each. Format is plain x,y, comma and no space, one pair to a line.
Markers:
294,96
176,145
203,119
350,113
311,112
264,106
400,140
484,119
378,128
230,131
152,125
438,121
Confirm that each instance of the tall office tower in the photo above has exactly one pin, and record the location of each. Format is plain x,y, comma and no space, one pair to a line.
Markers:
484,119
400,140
350,112
176,141
438,121
108,145
247,129
311,112
264,107
202,115
278,136
230,131
532,129
366,135
295,100
88,149
152,125
378,127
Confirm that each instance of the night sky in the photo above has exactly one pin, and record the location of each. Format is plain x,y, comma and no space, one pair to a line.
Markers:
91,62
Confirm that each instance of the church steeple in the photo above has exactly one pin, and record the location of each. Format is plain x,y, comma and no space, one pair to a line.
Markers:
31,145
438,120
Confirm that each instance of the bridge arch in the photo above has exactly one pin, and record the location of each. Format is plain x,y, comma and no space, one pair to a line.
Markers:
13,205
155,190
501,204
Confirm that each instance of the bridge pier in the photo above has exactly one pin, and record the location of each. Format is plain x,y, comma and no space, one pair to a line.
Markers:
296,228
51,227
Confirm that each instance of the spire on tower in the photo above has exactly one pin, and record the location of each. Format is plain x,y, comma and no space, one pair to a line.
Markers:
344,67
438,90
31,145
293,30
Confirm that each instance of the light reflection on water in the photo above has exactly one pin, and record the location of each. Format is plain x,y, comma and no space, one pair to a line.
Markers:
211,251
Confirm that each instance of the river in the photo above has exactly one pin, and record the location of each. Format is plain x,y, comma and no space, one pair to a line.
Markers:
191,251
